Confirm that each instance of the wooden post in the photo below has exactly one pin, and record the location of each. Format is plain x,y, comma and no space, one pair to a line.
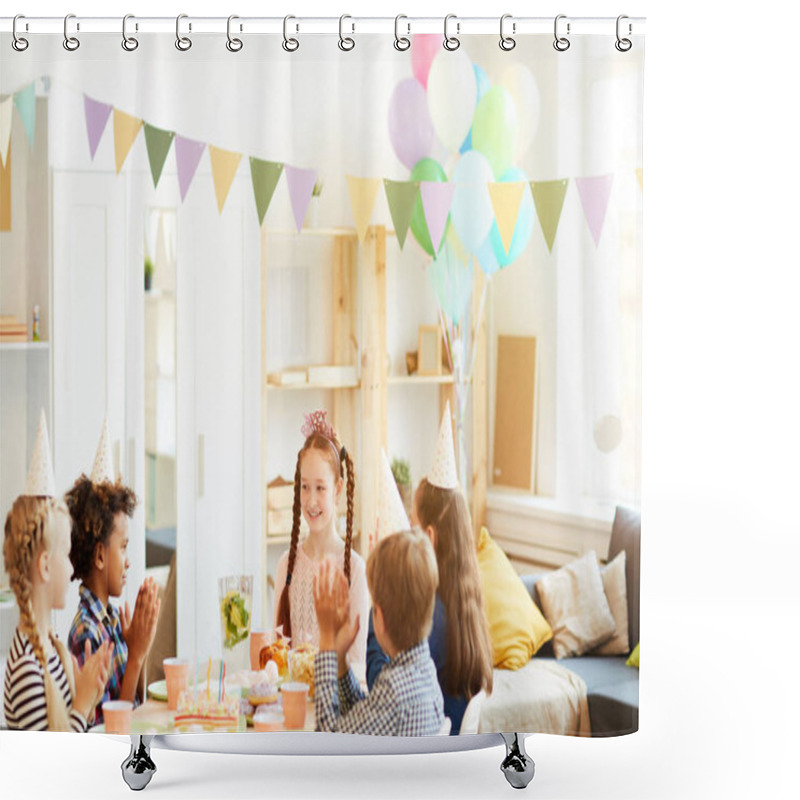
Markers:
263,382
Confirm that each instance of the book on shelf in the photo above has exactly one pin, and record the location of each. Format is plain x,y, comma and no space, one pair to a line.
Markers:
287,377
333,374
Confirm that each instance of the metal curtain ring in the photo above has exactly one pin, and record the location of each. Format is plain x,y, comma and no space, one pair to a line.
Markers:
401,43
129,43
71,43
183,43
346,43
233,44
623,45
290,44
451,42
507,42
19,43
561,43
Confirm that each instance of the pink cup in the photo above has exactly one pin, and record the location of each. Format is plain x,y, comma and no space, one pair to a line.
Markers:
294,697
117,716
176,673
258,640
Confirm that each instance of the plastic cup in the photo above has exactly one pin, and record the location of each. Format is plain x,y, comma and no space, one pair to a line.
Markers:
117,716
176,673
294,697
258,640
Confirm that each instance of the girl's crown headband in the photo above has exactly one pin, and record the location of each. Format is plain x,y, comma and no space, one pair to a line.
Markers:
316,422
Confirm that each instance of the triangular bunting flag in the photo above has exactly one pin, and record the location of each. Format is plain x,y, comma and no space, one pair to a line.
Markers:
41,481
363,192
457,246
158,142
25,101
548,197
6,107
187,157
224,164
5,193
639,176
103,469
301,185
401,196
392,517
97,115
594,193
126,129
506,201
443,472
265,175
436,201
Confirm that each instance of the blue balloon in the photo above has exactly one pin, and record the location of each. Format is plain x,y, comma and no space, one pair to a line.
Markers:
491,254
482,79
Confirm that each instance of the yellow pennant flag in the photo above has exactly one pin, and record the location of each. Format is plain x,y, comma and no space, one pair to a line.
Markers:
126,129
506,201
461,252
639,176
363,192
224,164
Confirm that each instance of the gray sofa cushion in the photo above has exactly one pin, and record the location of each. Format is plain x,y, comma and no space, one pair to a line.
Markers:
626,535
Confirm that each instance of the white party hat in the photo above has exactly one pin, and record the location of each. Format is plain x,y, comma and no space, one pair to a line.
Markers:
41,480
443,472
392,517
103,469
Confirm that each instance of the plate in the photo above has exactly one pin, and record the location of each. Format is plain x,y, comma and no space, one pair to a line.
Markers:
158,690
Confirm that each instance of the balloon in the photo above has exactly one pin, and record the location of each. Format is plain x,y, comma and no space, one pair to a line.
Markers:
471,210
494,129
451,282
491,254
410,126
425,170
452,94
482,80
424,48
524,91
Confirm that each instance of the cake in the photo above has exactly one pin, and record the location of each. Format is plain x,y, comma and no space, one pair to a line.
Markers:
206,712
263,693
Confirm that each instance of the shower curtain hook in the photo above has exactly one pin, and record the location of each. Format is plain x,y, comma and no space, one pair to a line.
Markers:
561,43
71,43
19,43
623,45
401,43
129,43
346,43
451,42
233,44
183,43
507,42
290,44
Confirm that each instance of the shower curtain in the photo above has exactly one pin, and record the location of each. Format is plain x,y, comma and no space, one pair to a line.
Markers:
205,237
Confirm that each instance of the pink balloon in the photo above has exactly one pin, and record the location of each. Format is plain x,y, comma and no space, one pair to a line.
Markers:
410,126
424,47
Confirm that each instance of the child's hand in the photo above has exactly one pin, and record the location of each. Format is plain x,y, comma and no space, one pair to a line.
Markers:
92,678
139,628
325,606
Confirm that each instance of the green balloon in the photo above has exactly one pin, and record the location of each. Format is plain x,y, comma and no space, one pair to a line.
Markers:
427,169
494,129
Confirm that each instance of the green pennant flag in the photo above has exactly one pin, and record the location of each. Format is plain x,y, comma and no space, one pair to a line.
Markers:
25,101
158,143
401,196
265,175
548,197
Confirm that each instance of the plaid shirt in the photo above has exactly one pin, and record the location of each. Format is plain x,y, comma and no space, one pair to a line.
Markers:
98,625
405,699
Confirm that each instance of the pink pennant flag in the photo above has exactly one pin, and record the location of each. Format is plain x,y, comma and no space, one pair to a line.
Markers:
187,155
97,115
594,193
436,201
301,185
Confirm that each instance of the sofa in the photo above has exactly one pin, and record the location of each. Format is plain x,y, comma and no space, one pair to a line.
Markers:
612,687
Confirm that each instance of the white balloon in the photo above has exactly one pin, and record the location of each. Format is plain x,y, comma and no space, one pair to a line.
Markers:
471,211
521,85
452,95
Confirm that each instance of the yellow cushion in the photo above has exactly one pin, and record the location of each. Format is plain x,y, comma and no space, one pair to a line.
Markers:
633,658
516,626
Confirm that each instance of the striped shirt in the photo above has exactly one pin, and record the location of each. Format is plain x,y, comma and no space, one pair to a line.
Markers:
405,699
98,625
23,697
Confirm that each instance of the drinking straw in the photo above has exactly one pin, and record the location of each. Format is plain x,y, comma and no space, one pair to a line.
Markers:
208,680
224,669
196,676
219,688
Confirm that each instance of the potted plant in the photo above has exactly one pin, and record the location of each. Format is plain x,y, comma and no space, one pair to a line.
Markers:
402,477
148,273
